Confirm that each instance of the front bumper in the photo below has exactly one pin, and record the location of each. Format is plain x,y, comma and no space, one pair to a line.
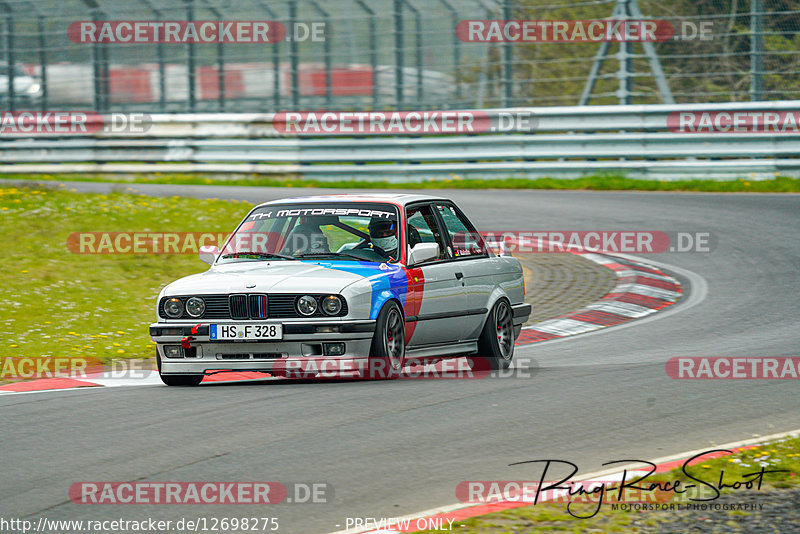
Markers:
302,348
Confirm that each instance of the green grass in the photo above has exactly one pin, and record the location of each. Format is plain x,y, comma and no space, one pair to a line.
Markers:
597,183
58,303
553,517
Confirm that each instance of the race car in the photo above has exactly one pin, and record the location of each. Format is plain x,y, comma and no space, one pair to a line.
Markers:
341,283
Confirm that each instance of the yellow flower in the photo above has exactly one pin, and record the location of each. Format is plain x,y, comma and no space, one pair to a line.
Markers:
120,351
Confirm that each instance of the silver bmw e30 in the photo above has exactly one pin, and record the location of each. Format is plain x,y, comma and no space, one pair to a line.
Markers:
344,283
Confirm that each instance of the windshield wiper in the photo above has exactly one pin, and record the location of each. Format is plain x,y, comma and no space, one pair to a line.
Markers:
334,254
261,255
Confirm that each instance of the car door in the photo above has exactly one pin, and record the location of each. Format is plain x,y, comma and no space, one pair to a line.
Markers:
471,263
438,306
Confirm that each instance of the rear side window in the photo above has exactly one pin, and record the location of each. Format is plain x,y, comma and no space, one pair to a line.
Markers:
466,241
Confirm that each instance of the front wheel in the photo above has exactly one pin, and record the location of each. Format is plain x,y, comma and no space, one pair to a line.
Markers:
177,380
388,351
496,342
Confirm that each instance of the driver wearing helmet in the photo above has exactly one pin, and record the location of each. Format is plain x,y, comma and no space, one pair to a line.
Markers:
383,235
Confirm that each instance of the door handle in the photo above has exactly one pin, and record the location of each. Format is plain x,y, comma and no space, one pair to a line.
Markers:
459,275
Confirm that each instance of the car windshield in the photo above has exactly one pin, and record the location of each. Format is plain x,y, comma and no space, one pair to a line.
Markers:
341,231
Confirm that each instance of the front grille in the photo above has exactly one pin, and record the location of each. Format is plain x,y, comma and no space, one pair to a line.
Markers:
283,305
251,306
258,306
238,305
216,306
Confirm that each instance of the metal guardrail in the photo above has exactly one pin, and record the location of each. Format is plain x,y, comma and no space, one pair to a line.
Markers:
567,142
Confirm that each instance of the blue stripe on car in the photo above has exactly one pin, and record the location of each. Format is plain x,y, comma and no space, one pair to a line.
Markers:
388,281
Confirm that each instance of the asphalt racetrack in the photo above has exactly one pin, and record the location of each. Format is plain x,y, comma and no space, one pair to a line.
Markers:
395,448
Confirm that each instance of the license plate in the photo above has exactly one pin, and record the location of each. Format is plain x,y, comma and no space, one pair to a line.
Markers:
245,332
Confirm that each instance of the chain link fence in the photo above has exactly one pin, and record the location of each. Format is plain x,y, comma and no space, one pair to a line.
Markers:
389,54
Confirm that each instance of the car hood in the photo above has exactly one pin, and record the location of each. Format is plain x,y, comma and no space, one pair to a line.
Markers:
275,276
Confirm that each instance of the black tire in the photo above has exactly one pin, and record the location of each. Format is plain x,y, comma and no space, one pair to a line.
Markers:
388,351
177,380
496,342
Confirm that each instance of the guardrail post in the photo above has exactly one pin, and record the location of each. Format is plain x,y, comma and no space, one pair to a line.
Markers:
221,75
293,54
162,78
10,57
508,57
220,64
276,60
483,81
756,50
96,69
276,75
624,73
99,71
417,49
398,53
326,50
42,61
97,59
105,78
456,48
190,61
160,57
373,49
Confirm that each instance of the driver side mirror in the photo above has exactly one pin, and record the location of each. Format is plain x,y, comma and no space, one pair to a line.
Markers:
423,252
209,253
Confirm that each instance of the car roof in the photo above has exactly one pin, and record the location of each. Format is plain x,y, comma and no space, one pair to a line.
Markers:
394,198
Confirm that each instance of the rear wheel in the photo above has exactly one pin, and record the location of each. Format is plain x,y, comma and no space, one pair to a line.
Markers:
388,351
496,343
177,380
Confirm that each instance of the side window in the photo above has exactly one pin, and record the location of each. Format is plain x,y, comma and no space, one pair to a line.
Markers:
466,242
422,228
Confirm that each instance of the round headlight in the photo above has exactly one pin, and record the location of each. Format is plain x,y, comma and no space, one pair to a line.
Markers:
331,304
173,308
195,306
306,305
